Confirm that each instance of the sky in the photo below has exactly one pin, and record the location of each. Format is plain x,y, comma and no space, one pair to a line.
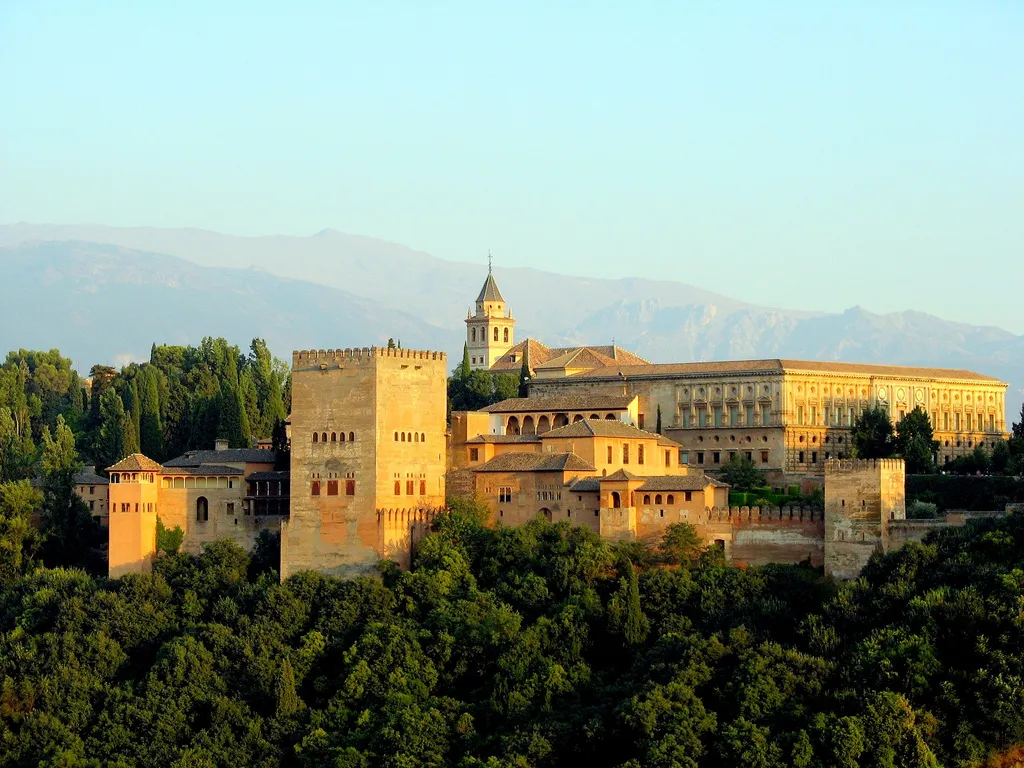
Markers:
800,154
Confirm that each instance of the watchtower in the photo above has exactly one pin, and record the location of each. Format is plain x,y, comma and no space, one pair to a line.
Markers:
367,434
861,497
131,529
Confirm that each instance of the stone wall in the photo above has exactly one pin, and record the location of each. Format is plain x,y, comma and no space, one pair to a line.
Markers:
393,404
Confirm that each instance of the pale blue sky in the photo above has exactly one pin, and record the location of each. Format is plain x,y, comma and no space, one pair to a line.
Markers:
805,154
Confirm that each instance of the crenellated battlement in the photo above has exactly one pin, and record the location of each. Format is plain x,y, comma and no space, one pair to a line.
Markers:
740,515
836,466
358,355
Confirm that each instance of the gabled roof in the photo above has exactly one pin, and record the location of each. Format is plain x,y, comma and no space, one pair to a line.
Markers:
586,484
489,291
681,483
231,455
136,462
203,469
540,356
536,462
621,370
504,439
605,428
88,476
562,403
619,476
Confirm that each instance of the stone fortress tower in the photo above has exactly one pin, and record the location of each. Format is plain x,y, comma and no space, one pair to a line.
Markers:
368,457
862,498
490,331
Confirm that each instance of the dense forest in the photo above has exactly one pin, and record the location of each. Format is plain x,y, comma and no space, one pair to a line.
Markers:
182,398
541,645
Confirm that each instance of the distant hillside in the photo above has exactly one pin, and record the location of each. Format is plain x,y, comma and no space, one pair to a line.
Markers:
333,289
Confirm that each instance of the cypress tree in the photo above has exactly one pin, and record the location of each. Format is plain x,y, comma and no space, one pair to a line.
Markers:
133,409
524,378
151,438
287,699
464,368
110,440
658,427
636,626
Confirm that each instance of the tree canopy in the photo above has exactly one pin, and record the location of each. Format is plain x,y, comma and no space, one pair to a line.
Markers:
873,436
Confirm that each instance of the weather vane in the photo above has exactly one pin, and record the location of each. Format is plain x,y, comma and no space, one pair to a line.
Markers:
489,265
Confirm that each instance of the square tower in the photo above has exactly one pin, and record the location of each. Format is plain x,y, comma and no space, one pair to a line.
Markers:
861,497
368,457
490,331
131,530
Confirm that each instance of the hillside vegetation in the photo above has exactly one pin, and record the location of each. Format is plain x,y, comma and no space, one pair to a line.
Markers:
534,646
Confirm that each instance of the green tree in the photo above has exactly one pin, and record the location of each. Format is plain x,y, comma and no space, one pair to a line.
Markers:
873,435
66,525
625,612
168,540
133,409
287,698
524,376
17,453
741,474
19,539
151,433
112,438
657,427
914,442
680,544
464,369
1001,457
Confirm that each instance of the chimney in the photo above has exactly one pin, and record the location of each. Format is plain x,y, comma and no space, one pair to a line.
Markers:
220,444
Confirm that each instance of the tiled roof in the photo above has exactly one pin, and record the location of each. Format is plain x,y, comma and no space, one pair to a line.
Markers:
489,291
605,428
136,462
536,462
203,469
585,484
88,476
504,439
283,475
232,455
681,483
540,355
619,476
562,403
775,365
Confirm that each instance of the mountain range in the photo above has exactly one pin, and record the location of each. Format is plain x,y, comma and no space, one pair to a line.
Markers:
104,294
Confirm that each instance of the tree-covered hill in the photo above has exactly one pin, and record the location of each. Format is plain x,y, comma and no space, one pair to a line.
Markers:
534,646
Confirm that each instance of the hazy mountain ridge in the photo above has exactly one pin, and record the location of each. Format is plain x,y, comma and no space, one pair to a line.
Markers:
333,289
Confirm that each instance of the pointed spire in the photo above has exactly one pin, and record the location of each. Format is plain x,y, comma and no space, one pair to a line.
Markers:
490,263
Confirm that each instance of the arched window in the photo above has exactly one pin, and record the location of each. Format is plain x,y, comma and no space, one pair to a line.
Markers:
351,437
334,437
415,437
398,487
657,498
647,499
396,437
506,335
671,500
423,487
472,334
403,437
323,437
616,500
202,509
423,437
342,437
495,334
316,437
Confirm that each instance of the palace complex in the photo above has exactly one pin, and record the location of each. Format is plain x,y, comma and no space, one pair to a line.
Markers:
605,440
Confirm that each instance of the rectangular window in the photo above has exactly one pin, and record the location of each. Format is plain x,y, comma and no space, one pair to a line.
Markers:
991,423
764,457
689,495
814,457
800,457
718,415
668,458
641,420
800,415
814,415
332,487
732,455
92,489
702,417
423,487
956,421
734,415
314,488
766,415
609,454
716,457
750,415
970,422
231,509
92,505
474,454
639,454
851,417
625,453
350,487
685,415
505,494
684,457
409,487
700,457
945,421
750,455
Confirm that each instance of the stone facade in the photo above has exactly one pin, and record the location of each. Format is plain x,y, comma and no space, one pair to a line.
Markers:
790,417
862,499
490,330
368,452
210,495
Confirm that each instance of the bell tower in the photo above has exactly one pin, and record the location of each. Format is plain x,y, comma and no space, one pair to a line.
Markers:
490,331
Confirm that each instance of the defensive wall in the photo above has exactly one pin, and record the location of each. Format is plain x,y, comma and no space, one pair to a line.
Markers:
763,535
